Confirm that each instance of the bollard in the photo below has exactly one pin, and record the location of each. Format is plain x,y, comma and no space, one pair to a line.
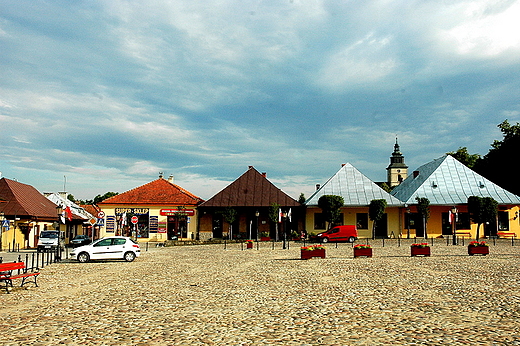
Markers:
383,242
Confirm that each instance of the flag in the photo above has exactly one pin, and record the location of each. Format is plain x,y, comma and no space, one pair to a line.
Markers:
279,215
289,215
68,212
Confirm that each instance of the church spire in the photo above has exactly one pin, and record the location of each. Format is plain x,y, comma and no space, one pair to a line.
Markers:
397,170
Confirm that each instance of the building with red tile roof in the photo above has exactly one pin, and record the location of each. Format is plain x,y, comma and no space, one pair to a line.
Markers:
157,211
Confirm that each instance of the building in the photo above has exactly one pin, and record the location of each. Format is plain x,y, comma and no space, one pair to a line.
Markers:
251,197
397,171
24,213
79,221
157,211
447,183
357,191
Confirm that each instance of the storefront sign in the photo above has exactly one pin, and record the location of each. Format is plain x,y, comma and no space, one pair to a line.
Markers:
162,227
173,212
134,211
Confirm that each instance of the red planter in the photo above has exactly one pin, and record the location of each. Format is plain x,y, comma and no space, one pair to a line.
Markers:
249,245
265,239
362,252
420,251
478,250
308,254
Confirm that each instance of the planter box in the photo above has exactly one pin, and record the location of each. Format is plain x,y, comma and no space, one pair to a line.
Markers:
308,254
420,251
249,245
478,250
265,238
362,252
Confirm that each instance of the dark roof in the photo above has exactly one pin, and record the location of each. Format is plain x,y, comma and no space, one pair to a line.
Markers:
251,189
24,201
157,192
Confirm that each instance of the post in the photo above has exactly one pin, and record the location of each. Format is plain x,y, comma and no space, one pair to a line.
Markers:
454,224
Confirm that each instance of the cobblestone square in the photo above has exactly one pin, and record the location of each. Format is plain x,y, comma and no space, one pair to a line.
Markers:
205,295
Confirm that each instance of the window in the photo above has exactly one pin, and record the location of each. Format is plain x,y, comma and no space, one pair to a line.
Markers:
119,241
463,221
362,220
104,242
319,222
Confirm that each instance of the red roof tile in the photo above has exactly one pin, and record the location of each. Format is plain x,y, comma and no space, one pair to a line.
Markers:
157,192
25,201
251,189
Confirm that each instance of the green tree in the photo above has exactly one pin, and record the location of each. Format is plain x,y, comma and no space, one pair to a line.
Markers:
230,215
331,208
482,210
101,198
376,211
496,164
423,208
274,214
462,155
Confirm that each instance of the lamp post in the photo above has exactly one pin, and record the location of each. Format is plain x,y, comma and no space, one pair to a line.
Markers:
1,227
454,224
257,214
284,217
59,212
408,213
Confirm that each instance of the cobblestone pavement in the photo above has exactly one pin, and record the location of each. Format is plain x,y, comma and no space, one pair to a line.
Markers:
205,295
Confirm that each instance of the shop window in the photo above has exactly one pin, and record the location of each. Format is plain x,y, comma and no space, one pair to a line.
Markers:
319,221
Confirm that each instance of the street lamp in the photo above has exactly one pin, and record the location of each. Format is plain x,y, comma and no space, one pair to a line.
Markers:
454,224
1,228
257,214
408,213
284,217
59,212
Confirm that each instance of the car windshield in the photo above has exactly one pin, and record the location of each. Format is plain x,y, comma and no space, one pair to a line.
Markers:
49,235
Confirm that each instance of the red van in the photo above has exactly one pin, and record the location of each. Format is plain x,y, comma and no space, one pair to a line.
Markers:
339,233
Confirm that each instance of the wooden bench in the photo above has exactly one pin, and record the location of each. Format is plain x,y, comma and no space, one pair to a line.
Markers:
506,234
7,276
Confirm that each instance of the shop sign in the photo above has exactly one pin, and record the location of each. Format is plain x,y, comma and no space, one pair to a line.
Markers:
173,212
134,211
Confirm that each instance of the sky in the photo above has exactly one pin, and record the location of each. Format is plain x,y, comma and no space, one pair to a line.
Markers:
99,96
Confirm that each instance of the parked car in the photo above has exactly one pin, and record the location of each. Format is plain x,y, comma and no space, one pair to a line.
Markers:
339,233
116,247
79,240
50,240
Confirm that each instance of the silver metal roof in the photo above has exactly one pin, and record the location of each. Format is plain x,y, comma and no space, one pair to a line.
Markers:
355,188
446,181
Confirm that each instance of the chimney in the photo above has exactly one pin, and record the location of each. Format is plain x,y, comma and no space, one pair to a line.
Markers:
264,174
63,194
343,164
250,167
317,187
170,178
415,174
160,175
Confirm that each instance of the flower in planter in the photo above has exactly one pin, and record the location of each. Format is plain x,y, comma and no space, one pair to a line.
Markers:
421,245
478,243
313,247
362,246
249,241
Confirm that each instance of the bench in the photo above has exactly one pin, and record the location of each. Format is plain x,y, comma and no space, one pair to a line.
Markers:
7,276
506,234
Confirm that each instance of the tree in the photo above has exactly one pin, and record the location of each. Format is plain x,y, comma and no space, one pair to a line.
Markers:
100,198
376,211
274,215
462,155
496,164
481,210
331,208
230,215
423,208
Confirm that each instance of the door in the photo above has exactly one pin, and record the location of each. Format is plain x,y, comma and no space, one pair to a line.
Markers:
381,229
102,249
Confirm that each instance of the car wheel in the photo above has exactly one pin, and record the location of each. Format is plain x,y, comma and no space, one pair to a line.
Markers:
83,257
129,256
325,240
351,239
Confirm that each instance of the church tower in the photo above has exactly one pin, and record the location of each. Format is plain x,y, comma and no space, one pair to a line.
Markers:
397,171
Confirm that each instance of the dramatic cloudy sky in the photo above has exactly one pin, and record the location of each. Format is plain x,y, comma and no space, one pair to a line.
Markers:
106,94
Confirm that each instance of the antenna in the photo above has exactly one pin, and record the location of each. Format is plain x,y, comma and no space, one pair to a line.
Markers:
64,183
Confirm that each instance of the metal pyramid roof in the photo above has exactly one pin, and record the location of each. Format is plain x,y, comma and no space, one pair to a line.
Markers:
355,188
446,181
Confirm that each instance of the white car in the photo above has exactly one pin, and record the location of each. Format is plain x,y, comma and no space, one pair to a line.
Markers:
108,248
